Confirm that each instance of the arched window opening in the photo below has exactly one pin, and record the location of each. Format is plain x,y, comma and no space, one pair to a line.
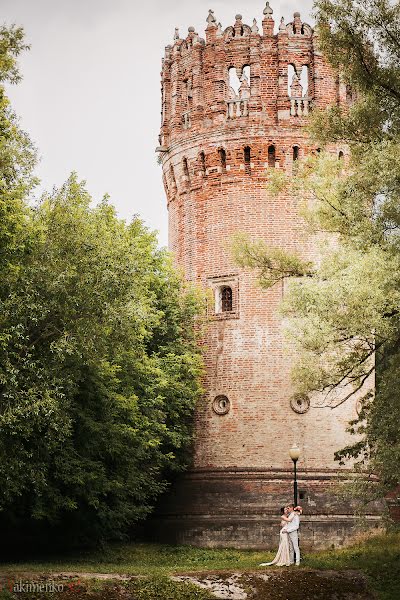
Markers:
291,73
341,161
187,92
271,156
225,296
186,170
165,182
203,164
296,150
222,159
172,176
247,159
350,97
226,299
304,79
246,72
234,81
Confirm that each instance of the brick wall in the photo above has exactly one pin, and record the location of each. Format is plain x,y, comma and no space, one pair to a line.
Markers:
211,198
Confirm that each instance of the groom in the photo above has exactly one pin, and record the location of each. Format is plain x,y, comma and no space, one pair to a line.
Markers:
292,529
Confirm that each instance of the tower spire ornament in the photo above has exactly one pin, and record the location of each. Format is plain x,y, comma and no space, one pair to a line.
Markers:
211,20
254,27
268,10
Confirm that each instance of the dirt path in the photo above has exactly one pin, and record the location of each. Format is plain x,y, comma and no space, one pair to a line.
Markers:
304,584
273,584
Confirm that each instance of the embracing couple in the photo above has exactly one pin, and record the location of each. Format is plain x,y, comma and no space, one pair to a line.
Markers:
289,538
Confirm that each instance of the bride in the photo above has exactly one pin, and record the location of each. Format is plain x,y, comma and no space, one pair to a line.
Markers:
282,558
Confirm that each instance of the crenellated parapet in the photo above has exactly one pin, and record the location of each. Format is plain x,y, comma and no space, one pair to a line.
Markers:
245,73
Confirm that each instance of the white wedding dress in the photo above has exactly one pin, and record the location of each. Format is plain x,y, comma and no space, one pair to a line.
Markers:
282,558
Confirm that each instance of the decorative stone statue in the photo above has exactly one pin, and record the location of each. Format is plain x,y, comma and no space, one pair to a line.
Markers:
244,89
296,89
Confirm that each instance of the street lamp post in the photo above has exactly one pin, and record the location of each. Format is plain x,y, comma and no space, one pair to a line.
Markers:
294,453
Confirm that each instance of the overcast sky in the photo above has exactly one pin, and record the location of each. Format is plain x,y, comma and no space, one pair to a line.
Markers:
90,95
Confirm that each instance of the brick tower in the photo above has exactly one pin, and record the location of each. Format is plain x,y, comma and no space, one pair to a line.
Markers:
234,107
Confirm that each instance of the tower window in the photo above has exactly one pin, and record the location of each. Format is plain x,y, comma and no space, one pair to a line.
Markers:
304,79
226,299
165,183
271,156
186,170
172,176
234,81
246,72
222,158
291,73
247,159
341,160
203,164
295,153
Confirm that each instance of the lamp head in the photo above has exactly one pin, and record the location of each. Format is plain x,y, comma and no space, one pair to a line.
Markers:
294,452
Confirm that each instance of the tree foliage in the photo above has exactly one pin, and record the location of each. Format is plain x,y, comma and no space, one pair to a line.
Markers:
99,368
17,160
12,43
99,364
344,309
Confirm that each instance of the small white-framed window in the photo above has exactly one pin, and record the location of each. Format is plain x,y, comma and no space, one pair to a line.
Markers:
226,296
223,299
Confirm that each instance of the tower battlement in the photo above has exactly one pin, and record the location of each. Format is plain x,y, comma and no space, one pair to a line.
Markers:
244,75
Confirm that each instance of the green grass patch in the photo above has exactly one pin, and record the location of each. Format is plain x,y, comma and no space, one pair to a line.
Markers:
151,588
146,559
377,557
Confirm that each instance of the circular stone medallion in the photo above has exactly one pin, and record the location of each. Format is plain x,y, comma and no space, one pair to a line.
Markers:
221,405
300,403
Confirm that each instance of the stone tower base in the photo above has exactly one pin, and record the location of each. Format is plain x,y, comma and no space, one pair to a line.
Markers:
239,508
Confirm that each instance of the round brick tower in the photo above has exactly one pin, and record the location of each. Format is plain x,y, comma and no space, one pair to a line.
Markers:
234,107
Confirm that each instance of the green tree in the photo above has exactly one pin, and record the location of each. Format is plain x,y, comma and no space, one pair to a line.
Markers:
99,363
344,308
99,370
17,161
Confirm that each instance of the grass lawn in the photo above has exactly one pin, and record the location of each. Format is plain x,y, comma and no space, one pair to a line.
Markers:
377,557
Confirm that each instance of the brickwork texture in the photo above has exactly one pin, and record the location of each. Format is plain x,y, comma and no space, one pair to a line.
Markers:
235,106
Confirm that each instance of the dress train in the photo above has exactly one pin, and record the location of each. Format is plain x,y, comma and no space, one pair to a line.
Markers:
282,558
